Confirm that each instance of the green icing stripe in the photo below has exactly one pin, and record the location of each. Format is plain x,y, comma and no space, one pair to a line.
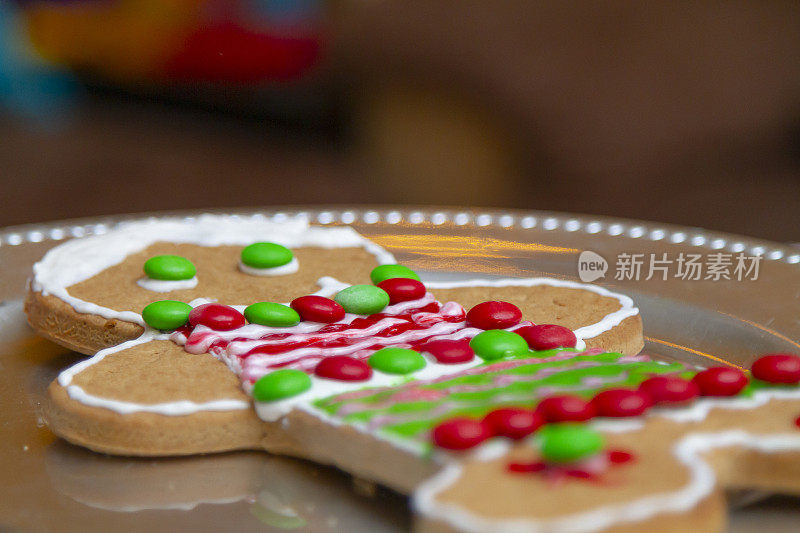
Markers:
474,395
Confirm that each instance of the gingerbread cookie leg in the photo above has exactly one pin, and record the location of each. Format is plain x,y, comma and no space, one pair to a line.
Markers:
665,472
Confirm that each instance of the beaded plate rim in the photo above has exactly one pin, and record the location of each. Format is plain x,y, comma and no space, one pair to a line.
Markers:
429,216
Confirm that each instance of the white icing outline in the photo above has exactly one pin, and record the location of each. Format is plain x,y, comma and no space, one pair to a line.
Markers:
289,268
688,451
167,285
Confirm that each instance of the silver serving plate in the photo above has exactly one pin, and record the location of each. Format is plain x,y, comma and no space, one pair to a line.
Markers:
47,484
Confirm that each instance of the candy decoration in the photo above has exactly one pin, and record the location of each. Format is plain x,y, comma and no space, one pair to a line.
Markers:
526,468
494,315
169,268
720,381
665,390
318,309
383,272
272,314
514,423
217,317
266,255
778,368
548,336
618,403
343,368
497,343
402,289
397,360
166,314
460,434
618,457
566,408
568,443
281,384
362,299
449,352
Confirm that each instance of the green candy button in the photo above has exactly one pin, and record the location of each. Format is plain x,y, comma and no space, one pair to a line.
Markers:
363,299
266,255
397,361
271,314
281,384
166,314
384,272
496,343
567,443
169,267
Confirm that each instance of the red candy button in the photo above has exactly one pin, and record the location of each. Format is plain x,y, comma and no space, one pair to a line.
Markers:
402,289
565,409
619,403
620,456
494,315
318,309
548,336
343,368
669,389
780,368
512,422
449,352
720,381
217,317
460,434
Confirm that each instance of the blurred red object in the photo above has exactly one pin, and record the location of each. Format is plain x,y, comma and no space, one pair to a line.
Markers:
229,52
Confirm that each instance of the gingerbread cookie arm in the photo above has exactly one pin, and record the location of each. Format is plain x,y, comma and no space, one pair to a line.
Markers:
674,473
152,398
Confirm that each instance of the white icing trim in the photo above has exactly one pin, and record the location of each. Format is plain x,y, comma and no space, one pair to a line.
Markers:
289,268
688,451
167,285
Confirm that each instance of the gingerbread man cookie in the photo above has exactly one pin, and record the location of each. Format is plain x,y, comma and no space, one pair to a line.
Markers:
221,333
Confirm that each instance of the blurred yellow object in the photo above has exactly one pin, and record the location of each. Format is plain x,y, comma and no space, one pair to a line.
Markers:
125,40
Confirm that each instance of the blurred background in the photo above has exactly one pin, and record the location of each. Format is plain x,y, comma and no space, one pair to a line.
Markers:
683,112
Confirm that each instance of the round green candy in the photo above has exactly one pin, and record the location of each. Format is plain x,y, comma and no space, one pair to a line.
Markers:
271,314
397,361
266,255
169,267
567,443
496,343
166,314
363,299
281,384
384,272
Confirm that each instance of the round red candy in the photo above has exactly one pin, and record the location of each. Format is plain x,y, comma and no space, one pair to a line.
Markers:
565,408
720,381
449,352
513,423
782,368
343,368
318,309
548,336
494,315
619,403
460,434
402,289
217,317
665,390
